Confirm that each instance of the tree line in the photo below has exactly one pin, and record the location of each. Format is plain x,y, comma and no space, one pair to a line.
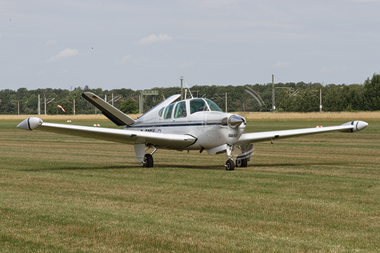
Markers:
289,97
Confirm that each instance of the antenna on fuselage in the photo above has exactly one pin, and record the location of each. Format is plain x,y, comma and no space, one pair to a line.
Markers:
191,94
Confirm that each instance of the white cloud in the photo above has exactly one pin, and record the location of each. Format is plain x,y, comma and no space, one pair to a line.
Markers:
64,54
281,64
332,69
364,1
125,59
154,39
185,65
50,43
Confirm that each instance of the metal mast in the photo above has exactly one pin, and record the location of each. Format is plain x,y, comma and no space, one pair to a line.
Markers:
273,101
181,78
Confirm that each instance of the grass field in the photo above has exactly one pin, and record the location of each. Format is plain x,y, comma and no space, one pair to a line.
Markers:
318,193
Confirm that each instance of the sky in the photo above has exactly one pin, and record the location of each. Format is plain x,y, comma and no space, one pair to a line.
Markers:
145,44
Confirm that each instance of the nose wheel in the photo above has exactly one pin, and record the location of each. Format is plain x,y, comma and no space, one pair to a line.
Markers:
230,165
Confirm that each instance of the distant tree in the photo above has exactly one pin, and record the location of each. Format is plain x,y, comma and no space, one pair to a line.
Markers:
372,93
332,98
128,106
289,97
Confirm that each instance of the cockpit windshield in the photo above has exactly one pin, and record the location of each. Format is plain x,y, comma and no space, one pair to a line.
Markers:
199,104
180,111
213,106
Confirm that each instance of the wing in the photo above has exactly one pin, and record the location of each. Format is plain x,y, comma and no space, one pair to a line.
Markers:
170,141
111,112
352,126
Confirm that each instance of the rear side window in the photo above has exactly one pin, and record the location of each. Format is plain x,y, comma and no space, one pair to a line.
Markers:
161,111
180,110
168,112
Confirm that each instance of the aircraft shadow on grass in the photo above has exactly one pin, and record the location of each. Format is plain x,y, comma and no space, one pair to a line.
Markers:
301,164
124,167
199,167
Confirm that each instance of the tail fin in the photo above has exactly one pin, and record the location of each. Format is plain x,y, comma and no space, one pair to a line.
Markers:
111,112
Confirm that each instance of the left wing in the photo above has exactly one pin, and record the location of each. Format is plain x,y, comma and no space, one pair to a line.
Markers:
351,126
170,141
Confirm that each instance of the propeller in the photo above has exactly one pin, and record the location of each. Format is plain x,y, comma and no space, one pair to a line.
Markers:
235,121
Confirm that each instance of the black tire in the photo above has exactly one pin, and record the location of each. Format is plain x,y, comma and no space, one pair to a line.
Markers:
148,160
230,165
241,162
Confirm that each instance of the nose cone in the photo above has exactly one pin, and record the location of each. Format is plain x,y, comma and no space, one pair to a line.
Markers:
235,121
30,123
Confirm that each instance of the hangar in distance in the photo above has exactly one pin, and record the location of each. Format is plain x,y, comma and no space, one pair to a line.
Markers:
190,124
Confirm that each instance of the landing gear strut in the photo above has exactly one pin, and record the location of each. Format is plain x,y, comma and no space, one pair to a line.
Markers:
230,165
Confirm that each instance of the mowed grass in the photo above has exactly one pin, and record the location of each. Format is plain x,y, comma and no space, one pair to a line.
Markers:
315,193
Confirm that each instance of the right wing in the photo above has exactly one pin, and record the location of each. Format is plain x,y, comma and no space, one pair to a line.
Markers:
170,141
351,126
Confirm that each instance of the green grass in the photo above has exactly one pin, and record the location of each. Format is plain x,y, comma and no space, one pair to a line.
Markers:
66,194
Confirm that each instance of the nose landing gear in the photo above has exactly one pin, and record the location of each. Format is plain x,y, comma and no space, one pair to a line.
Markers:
230,165
241,159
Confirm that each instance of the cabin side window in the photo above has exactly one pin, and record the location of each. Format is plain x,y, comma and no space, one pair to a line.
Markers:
168,111
161,111
180,110
197,105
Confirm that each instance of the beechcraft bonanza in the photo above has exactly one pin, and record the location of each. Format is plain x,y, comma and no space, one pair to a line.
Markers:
190,124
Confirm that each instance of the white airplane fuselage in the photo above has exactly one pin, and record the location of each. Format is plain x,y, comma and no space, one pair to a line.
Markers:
207,126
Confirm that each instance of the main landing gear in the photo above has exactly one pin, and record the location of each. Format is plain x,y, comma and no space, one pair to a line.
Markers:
148,158
241,162
148,161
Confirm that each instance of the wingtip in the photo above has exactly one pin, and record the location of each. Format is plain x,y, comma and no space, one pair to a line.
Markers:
356,125
360,125
30,123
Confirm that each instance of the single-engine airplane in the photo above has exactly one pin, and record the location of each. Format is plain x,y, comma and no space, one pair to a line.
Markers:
190,124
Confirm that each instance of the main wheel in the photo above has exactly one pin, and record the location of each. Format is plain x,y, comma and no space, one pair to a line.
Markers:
230,165
241,162
148,160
